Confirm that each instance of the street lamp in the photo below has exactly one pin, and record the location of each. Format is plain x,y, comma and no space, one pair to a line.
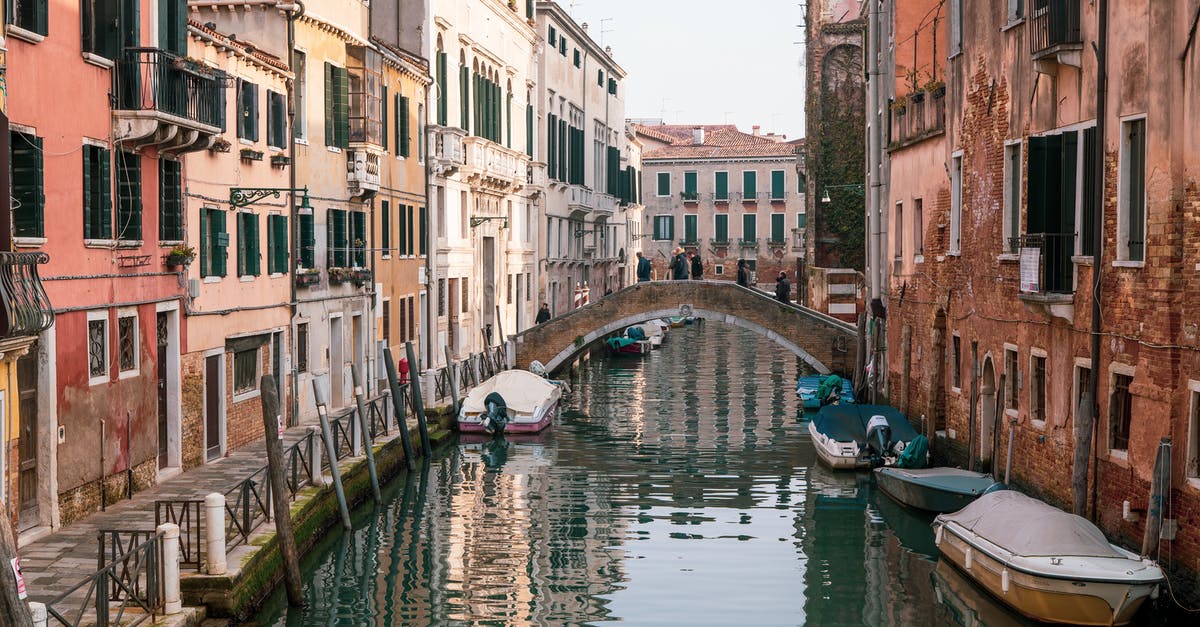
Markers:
245,196
858,187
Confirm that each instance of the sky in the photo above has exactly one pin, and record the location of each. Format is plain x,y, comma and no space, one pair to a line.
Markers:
706,61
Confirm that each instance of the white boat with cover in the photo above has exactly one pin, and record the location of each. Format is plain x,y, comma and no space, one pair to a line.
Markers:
528,403
1047,564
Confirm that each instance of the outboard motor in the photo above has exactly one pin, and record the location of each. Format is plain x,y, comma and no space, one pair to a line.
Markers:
879,438
497,414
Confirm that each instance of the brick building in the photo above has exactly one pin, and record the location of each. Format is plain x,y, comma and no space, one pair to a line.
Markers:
990,301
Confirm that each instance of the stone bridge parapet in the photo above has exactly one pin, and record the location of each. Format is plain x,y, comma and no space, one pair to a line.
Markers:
825,343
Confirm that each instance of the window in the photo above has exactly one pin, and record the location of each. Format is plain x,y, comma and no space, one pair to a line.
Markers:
276,120
307,240
1012,381
364,94
1131,244
690,222
129,195
97,193
247,251
898,231
405,246
464,95
127,343
612,86
664,184
777,227
106,27
403,130
749,228
97,330
302,347
245,371
1037,387
956,193
578,58
956,362
1083,386
214,242
404,336
277,244
1088,197
1012,198
749,184
247,106
1051,183
28,191
600,78
1192,466
689,186
509,294
337,232
801,220
386,322
1016,10
442,82
441,297
956,27
721,185
385,228
721,227
170,201
1120,412
718,269
358,238
528,287
466,295
384,118
552,37
300,85
172,26
778,180
337,106
29,15
918,227
664,228
422,218
562,45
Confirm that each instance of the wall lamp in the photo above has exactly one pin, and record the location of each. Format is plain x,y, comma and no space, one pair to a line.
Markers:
245,196
858,187
477,220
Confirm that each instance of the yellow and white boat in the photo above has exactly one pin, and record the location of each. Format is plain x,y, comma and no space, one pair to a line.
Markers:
1047,564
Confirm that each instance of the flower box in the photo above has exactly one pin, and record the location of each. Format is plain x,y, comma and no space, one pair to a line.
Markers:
338,276
280,161
361,276
250,154
307,279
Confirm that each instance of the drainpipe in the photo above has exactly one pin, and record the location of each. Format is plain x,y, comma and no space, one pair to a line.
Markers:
1085,427
292,16
874,230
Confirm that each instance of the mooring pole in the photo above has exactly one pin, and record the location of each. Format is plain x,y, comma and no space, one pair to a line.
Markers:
331,450
451,372
426,448
1158,485
272,423
13,610
398,408
1012,433
365,428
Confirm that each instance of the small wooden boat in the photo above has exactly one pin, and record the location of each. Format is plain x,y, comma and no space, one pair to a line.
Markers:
626,346
528,402
933,489
807,386
1047,564
647,331
677,321
849,437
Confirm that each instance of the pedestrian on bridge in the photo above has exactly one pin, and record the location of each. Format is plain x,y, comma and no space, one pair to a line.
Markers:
643,268
544,313
679,267
743,273
783,288
697,267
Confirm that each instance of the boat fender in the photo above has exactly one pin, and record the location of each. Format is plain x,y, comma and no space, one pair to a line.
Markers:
937,537
1154,592
969,561
1004,580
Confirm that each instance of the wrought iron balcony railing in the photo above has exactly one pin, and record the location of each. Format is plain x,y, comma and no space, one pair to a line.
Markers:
25,308
150,79
690,196
1054,23
1046,266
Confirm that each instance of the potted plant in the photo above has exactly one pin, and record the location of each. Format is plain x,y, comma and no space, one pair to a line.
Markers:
361,276
307,276
250,154
339,275
220,144
180,255
935,88
900,105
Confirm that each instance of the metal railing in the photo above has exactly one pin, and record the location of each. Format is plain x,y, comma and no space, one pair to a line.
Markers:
247,505
689,196
1046,262
126,590
151,79
189,516
923,114
24,307
1053,23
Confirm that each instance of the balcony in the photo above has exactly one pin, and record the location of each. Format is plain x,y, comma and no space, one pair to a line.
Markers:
748,244
750,198
446,149
491,166
797,239
166,101
721,199
1047,273
580,198
921,116
362,171
690,198
26,309
1054,36
537,175
690,243
778,196
606,206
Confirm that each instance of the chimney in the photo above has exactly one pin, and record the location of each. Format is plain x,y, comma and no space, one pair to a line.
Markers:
755,129
698,136
583,26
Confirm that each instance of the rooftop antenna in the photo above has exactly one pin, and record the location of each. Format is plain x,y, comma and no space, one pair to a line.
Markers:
603,30
663,111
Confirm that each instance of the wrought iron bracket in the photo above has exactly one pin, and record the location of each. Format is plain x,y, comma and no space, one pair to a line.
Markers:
477,220
245,196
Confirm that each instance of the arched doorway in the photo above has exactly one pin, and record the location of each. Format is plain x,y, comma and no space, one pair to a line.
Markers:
987,414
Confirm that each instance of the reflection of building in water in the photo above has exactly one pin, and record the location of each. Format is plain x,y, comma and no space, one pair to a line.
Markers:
833,541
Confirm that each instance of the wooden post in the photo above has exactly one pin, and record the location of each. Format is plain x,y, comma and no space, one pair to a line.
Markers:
996,437
279,490
365,429
973,414
331,450
906,368
398,407
450,371
426,447
1012,435
13,610
1154,510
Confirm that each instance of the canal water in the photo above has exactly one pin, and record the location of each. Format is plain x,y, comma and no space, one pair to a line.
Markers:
679,488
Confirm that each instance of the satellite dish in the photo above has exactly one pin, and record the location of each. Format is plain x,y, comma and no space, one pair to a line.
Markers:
537,368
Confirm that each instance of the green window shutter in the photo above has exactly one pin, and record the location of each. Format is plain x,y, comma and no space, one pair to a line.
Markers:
277,244
329,104
424,235
689,184
129,190
205,255
412,242
464,95
1087,228
220,242
508,122
777,184
562,150
529,130
551,147
383,120
722,185
442,87
341,81
105,176
801,220
170,201
276,119
405,141
1136,189
308,240
403,224
664,183
254,259
722,227
689,227
397,125
90,197
385,227
749,184
27,185
242,245
777,227
749,227
359,237
671,227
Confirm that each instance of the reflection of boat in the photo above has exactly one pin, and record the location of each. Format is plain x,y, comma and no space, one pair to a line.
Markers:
806,389
934,489
968,605
910,526
1043,562
513,454
860,436
527,401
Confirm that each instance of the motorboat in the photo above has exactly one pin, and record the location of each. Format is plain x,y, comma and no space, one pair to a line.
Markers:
851,436
809,389
627,345
966,603
677,321
513,401
933,489
646,331
1045,563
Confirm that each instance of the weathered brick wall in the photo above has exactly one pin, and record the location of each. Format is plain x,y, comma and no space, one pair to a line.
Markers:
192,401
77,503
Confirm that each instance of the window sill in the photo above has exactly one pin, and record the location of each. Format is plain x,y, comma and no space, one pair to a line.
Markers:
918,259
1194,483
98,380
956,54
99,243
129,243
246,142
1040,425
127,374
302,141
276,275
170,243
954,253
1124,263
1119,457
212,279
956,390
333,149
1012,24
1082,260
247,278
1010,412
27,36
29,242
238,397
98,60
1008,258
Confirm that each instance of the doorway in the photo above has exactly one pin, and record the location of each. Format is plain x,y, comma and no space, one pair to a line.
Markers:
214,399
987,415
360,355
160,326
337,364
27,404
488,319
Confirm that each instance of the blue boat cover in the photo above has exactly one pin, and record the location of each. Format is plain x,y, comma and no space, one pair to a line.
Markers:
807,385
846,423
915,453
615,343
635,333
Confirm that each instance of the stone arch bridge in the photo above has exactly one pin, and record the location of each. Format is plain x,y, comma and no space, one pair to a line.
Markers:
825,343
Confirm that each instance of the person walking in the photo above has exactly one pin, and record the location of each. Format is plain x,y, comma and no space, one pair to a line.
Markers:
679,267
643,268
783,288
543,313
697,267
743,273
